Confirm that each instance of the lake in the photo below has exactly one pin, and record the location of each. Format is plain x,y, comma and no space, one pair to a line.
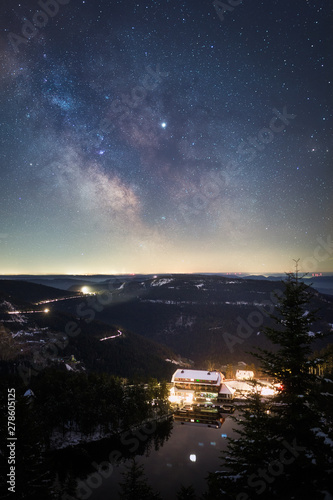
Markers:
184,458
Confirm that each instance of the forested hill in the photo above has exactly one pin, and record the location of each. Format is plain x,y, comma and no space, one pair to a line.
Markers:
36,336
204,318
211,320
22,290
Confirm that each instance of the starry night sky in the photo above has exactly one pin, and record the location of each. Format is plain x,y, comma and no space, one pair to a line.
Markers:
165,136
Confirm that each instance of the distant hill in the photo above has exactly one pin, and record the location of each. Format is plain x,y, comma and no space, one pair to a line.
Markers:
209,319
29,337
30,292
203,318
323,284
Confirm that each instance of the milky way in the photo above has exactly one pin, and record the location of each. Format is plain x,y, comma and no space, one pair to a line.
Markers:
165,136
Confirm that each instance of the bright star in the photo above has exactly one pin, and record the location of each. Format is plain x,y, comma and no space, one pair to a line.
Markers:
163,125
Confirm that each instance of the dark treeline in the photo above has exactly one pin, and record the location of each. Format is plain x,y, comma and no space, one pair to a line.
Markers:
284,445
66,402
128,355
64,408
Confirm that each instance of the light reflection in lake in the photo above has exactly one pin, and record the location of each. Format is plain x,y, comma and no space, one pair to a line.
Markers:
190,453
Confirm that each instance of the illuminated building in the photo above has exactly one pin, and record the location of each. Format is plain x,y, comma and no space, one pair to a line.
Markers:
244,375
195,385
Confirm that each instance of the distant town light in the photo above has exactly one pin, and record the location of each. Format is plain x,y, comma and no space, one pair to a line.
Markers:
85,289
46,310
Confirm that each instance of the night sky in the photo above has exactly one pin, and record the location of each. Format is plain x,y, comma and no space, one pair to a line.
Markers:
165,136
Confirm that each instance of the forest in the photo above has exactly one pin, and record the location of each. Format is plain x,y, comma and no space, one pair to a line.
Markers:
284,444
67,409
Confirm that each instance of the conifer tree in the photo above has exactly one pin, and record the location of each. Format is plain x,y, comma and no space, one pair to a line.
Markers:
186,493
135,485
298,421
287,452
246,453
230,372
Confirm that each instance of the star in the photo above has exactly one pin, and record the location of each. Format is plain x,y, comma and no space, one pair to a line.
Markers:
90,108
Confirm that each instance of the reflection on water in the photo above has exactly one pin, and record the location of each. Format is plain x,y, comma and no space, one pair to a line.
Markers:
95,466
209,415
173,453
192,450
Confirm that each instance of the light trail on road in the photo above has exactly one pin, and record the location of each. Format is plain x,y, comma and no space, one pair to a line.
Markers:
112,336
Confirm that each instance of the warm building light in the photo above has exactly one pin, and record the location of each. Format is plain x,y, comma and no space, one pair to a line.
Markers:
268,391
46,310
85,289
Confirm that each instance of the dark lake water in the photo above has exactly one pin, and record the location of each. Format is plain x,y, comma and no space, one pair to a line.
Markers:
185,458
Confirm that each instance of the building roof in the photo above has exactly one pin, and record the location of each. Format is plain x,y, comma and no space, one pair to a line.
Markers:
225,389
240,385
198,377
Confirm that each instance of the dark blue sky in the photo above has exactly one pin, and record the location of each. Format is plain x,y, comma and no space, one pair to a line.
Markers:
164,136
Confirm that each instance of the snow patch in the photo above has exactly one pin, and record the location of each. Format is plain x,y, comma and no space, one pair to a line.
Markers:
319,433
29,393
199,286
17,316
162,281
